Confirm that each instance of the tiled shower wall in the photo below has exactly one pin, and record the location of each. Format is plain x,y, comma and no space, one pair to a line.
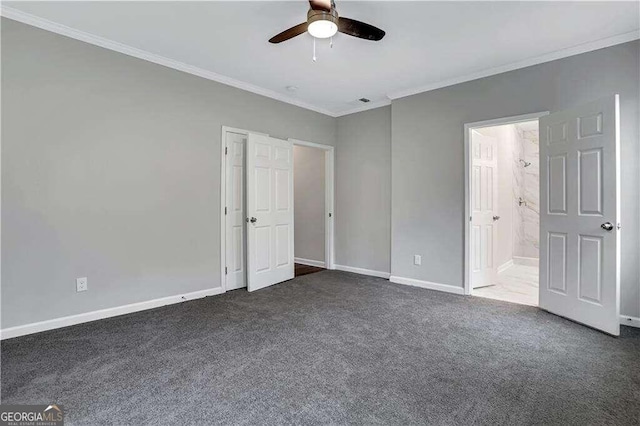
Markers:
526,216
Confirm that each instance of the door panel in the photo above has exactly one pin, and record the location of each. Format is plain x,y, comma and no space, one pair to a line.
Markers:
484,193
590,268
558,185
590,126
262,248
269,211
282,190
475,186
579,259
487,247
557,277
590,182
238,250
262,195
282,245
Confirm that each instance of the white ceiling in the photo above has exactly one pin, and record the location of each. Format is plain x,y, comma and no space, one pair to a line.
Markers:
428,44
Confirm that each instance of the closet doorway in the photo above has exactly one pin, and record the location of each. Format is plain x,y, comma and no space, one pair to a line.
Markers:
237,214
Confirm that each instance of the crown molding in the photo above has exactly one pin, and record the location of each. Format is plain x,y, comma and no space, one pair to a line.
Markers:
45,24
558,54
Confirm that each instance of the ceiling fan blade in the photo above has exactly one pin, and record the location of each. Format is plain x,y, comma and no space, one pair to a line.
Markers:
290,33
320,5
359,29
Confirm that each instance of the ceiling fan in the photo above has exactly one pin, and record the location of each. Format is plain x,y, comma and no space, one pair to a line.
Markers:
323,22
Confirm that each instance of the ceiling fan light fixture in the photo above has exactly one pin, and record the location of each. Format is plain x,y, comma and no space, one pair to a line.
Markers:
322,28
323,21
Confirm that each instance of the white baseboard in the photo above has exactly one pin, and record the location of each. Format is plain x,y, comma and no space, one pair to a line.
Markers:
506,265
426,284
310,262
630,321
363,271
37,327
238,286
527,261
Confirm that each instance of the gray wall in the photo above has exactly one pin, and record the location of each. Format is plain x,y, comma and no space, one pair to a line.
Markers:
111,170
309,198
363,190
428,156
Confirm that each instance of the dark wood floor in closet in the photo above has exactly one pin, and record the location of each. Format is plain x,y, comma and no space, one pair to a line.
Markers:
305,269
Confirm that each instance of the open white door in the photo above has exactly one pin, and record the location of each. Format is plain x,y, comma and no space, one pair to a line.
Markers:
579,214
235,211
484,205
269,211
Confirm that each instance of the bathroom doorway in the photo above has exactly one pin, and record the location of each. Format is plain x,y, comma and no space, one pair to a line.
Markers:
504,195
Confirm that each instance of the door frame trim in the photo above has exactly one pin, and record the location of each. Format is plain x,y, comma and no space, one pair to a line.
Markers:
329,198
468,127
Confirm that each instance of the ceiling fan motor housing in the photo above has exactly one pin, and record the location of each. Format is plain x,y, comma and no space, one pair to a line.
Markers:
322,15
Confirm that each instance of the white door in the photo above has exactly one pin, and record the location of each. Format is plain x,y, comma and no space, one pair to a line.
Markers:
235,212
269,211
484,207
579,214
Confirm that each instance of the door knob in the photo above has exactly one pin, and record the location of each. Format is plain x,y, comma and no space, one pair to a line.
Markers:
607,226
496,218
252,220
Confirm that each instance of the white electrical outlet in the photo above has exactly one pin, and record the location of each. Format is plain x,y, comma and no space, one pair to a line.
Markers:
81,284
417,259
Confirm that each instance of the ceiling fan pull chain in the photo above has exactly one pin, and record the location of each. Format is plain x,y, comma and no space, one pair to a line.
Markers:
331,42
314,49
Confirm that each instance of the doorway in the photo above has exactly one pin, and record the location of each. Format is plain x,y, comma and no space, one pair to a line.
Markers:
503,202
579,211
505,213
236,269
309,209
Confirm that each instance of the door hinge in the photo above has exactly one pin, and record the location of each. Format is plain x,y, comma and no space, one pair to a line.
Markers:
225,211
225,270
330,215
226,150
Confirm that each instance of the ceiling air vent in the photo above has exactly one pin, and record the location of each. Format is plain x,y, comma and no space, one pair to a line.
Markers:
364,100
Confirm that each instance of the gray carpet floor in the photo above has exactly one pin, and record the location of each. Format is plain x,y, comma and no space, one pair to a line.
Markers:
331,347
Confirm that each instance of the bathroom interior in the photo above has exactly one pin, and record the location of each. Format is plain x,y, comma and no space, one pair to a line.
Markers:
516,248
